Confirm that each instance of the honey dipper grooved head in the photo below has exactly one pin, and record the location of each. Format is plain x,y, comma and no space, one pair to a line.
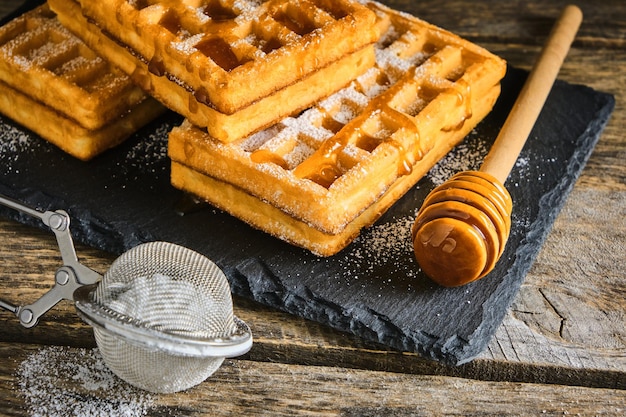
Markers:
461,230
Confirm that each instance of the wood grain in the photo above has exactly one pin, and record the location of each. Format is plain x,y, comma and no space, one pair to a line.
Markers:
240,387
560,350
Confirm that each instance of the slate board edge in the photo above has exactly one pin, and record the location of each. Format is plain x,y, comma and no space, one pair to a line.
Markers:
309,306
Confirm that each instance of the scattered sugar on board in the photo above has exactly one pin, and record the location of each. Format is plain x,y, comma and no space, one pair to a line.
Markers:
59,381
383,246
14,144
148,153
467,156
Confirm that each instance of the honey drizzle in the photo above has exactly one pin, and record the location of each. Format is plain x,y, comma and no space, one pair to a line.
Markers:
156,66
220,52
323,167
263,156
326,175
406,157
217,12
329,122
171,22
405,167
463,91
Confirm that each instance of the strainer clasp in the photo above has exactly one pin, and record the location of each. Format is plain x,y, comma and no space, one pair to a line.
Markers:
69,277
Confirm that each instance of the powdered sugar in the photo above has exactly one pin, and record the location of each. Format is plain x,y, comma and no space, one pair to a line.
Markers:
388,59
59,381
385,246
60,41
142,300
148,153
15,143
368,83
13,140
188,45
345,105
467,156
308,124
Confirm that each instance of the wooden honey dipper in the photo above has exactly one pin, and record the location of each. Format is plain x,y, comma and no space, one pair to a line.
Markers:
462,227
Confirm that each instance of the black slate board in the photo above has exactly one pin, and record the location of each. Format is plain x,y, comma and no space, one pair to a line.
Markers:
374,288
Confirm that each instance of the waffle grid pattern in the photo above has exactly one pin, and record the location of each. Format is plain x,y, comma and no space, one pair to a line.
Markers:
216,48
40,56
333,161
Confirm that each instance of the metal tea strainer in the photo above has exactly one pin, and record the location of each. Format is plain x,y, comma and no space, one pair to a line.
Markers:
162,314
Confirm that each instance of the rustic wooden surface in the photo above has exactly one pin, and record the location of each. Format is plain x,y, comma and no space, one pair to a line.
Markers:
560,350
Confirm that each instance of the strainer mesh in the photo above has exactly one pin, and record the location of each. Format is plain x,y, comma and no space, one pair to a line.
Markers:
171,289
153,370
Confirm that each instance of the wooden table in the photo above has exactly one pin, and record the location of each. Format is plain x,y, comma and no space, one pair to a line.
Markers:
560,350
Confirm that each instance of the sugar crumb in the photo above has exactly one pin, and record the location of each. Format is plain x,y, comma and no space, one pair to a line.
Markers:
59,381
15,143
467,156
382,245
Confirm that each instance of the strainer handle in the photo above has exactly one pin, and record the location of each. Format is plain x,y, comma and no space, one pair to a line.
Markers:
68,277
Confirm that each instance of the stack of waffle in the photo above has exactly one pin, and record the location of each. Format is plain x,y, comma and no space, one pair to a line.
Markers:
316,179
231,67
307,119
54,85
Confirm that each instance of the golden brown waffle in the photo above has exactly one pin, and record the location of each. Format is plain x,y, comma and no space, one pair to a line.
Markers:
265,106
43,59
181,98
68,135
230,54
315,180
57,87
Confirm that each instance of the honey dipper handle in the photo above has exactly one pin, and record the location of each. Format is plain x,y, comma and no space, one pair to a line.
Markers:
519,123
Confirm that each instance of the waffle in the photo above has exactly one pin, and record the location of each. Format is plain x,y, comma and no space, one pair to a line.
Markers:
180,98
57,87
218,48
292,52
316,179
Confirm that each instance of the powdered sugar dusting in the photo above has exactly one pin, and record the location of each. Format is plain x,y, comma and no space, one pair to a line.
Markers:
345,105
58,381
13,140
309,124
467,156
148,153
387,246
15,143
